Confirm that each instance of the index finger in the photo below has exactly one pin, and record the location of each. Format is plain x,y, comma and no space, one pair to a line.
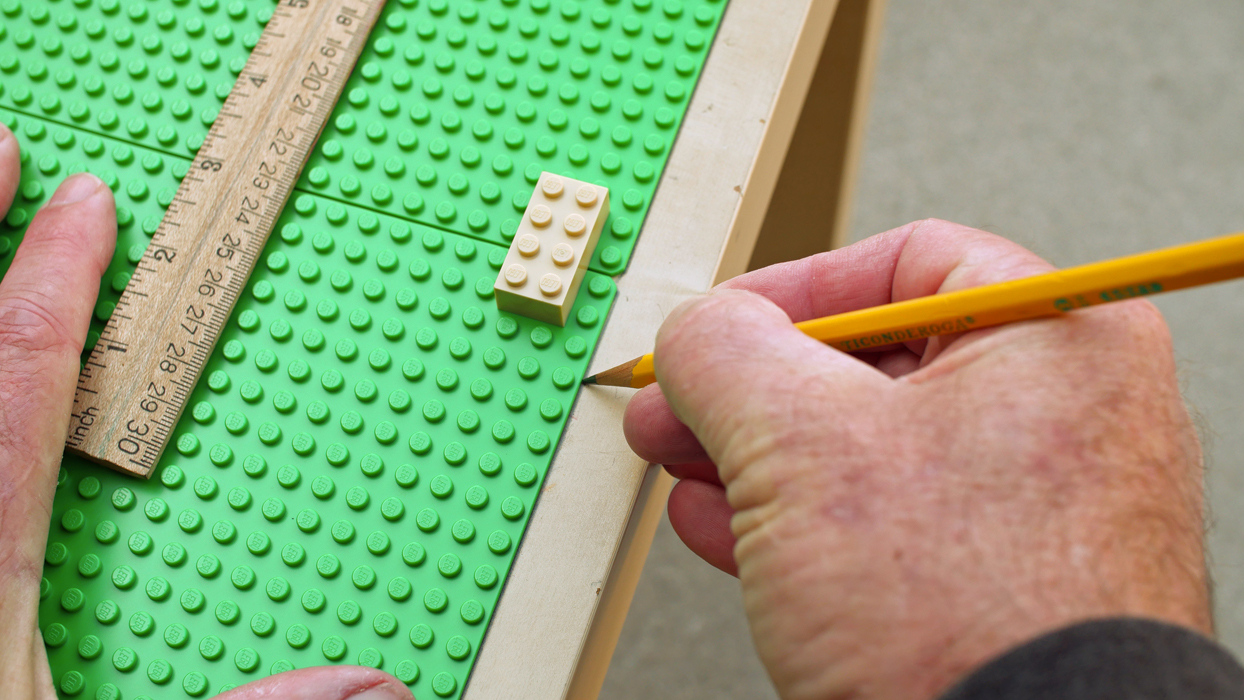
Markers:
922,258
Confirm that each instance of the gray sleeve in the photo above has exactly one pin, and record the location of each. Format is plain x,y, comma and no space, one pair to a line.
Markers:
1113,659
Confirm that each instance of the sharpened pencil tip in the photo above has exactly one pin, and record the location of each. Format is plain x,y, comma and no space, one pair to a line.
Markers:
590,380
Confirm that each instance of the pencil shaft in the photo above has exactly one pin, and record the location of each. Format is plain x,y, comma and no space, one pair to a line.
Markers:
1051,294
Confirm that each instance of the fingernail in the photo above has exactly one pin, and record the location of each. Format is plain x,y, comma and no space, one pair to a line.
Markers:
75,189
5,133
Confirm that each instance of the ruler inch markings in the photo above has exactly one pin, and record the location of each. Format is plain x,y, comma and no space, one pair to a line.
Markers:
134,386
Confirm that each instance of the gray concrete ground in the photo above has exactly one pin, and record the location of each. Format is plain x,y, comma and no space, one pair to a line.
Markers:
1083,130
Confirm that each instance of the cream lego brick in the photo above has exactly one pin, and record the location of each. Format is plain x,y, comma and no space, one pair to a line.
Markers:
551,249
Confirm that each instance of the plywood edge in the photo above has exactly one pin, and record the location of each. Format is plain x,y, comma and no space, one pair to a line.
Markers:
873,23
780,126
810,209
628,566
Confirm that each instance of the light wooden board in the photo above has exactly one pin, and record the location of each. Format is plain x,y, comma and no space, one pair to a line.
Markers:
704,219
811,206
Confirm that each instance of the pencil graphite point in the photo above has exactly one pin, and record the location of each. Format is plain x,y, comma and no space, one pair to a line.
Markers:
622,375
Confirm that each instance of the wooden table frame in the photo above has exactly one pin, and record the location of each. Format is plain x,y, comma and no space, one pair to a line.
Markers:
762,171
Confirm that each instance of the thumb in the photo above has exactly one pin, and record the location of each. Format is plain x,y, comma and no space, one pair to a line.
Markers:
739,375
323,683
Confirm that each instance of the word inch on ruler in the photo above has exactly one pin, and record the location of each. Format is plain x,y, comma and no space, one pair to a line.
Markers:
135,385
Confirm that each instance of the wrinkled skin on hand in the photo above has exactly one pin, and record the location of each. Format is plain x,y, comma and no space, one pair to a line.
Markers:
46,299
897,518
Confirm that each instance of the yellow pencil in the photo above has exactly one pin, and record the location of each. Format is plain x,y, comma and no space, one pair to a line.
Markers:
1051,294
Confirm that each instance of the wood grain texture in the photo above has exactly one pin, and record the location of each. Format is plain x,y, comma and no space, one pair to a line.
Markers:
620,587
769,153
134,387
704,218
810,210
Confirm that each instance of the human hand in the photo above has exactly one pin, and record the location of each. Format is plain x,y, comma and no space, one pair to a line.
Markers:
905,515
46,300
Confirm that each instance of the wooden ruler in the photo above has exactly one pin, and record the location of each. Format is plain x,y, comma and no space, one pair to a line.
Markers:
135,385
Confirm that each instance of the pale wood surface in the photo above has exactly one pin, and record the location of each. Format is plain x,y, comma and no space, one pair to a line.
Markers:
134,387
783,104
620,588
704,219
811,205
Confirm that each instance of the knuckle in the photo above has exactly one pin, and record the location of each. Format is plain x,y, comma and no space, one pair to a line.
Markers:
1136,327
711,306
730,302
1145,313
1145,320
703,316
938,228
27,326
53,234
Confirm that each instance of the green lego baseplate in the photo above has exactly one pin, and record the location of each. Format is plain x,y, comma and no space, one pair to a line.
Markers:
143,183
453,110
489,94
351,477
358,464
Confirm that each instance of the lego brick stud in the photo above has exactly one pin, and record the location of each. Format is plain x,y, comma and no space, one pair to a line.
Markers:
552,187
515,275
574,225
540,215
550,285
563,254
552,247
527,245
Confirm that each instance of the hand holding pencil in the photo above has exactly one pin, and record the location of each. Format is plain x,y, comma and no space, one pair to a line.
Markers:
985,487
1046,295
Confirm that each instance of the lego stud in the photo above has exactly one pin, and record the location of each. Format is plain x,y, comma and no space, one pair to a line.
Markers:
563,254
541,215
515,275
574,225
528,245
585,196
552,187
550,285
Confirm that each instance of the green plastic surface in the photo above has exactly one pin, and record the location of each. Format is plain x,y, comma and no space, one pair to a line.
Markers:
349,483
152,72
456,108
451,115
357,466
143,183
